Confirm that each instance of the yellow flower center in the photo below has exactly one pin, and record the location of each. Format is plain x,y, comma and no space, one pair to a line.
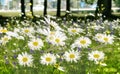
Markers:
52,33
72,56
35,43
57,40
83,42
26,31
4,30
96,55
25,59
99,36
106,39
56,65
48,59
5,39
51,37
73,30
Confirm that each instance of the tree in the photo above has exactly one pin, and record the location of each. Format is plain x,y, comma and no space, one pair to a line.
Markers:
23,8
58,8
107,10
117,3
104,7
31,7
68,5
45,7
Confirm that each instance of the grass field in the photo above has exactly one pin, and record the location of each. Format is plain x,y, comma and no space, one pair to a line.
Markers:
52,13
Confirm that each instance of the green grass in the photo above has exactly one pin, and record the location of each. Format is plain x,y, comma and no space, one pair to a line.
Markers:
53,13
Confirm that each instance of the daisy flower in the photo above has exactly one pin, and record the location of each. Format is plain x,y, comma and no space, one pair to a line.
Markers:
96,56
45,31
50,38
35,44
12,34
75,30
108,39
53,24
59,40
3,30
97,27
56,38
98,37
48,59
25,59
71,56
83,42
20,37
5,39
28,31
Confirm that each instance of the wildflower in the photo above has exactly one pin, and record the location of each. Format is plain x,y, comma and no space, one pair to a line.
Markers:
71,56
5,39
75,30
35,44
81,42
108,39
12,34
48,59
98,37
25,59
28,31
3,30
57,38
96,56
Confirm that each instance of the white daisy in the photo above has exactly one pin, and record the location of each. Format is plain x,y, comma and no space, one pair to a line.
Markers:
75,30
35,44
52,24
108,39
28,31
25,59
5,39
48,59
83,42
20,37
98,37
3,30
55,26
16,30
71,56
59,40
96,56
45,31
12,34
50,38
56,38
97,27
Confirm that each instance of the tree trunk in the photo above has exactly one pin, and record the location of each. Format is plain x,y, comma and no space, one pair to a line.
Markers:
58,8
68,5
23,8
45,7
31,7
107,10
104,7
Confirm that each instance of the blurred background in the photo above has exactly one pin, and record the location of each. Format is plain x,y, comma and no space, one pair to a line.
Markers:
38,5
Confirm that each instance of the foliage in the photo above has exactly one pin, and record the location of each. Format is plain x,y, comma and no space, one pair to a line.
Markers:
117,3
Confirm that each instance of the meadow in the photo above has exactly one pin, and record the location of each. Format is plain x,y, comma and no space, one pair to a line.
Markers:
60,46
